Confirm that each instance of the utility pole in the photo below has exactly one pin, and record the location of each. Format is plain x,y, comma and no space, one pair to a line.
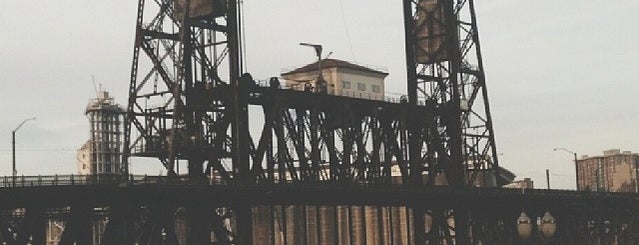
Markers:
576,171
576,165
548,179
13,150
637,175
597,172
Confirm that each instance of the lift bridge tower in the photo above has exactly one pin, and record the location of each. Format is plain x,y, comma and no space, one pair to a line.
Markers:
188,104
185,106
445,72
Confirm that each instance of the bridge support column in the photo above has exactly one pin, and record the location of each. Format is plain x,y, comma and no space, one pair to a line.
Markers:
419,227
33,228
461,226
6,235
78,229
199,224
244,224
121,226
160,227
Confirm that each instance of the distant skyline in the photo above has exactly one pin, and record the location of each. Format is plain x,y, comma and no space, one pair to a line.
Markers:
559,73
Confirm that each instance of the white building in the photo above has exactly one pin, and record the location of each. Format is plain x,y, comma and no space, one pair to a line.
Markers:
343,78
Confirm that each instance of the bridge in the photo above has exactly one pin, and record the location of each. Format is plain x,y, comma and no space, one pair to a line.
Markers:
313,167
77,201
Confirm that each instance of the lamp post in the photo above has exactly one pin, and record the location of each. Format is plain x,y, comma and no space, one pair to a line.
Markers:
321,84
576,167
13,149
524,227
547,227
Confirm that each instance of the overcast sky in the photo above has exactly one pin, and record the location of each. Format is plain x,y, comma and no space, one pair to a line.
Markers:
559,73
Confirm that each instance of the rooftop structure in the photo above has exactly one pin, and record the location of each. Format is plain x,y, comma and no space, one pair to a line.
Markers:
342,78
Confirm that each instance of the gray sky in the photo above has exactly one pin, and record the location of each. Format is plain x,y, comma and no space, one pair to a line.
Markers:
559,73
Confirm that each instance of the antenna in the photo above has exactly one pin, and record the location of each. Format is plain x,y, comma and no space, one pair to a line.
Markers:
95,86
329,55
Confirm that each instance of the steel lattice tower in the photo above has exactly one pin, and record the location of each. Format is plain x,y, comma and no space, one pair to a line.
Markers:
445,72
184,104
178,62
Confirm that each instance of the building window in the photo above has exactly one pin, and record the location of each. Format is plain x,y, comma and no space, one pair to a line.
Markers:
375,88
346,85
361,86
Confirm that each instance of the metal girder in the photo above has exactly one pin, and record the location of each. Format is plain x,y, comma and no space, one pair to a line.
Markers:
322,138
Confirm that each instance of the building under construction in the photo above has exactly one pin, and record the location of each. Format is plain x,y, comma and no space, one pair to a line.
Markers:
102,153
99,159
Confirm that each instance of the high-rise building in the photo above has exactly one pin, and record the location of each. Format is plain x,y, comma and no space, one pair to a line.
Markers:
342,78
102,153
615,171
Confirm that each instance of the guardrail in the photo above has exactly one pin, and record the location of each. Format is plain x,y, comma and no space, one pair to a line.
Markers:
85,180
387,97
132,180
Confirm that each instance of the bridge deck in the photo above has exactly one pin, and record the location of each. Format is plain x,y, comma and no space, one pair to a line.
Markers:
144,191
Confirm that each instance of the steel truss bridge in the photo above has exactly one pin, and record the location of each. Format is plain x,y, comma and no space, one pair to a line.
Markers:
304,167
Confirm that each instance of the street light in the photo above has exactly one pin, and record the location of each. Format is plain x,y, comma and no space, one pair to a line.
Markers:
13,148
321,84
576,168
524,226
547,227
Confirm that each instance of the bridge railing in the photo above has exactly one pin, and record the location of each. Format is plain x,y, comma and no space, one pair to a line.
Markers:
132,180
387,96
81,180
